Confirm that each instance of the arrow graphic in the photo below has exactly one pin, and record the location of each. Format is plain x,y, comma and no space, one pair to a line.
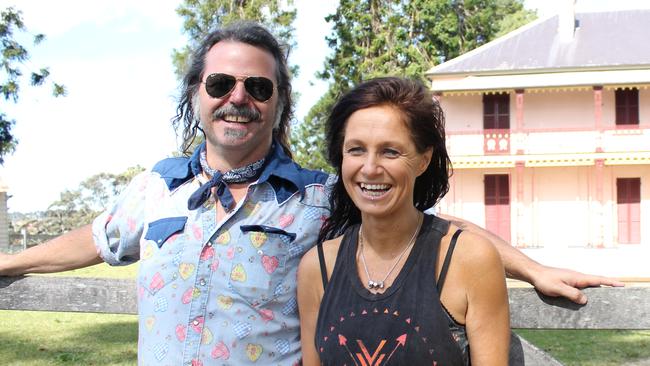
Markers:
344,342
401,341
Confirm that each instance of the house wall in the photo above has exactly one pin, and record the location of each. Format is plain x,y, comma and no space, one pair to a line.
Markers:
463,113
465,197
559,206
644,106
553,111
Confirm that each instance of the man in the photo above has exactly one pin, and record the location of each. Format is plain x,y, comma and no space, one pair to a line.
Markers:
219,234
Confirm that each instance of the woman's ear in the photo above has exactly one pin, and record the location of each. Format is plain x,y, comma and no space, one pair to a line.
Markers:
425,160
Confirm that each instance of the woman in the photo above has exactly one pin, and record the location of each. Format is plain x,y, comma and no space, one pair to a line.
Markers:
374,295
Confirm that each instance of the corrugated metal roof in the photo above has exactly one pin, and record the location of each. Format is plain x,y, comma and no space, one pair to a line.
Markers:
619,39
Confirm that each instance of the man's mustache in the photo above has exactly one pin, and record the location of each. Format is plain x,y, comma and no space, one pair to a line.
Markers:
238,111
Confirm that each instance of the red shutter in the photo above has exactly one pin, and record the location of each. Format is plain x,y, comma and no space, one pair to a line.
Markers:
496,111
627,106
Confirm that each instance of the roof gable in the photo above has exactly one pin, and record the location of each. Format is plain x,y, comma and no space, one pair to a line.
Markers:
603,40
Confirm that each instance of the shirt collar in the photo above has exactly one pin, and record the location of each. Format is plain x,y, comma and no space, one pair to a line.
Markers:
279,170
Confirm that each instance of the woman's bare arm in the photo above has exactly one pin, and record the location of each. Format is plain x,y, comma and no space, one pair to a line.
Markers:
310,294
487,315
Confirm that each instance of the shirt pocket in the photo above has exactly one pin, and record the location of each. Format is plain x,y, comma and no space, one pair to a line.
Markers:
257,274
162,250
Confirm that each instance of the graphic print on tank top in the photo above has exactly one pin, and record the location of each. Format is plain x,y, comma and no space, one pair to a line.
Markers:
380,351
405,325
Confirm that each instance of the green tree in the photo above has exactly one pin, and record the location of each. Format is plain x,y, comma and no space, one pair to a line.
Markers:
373,38
202,16
80,206
14,56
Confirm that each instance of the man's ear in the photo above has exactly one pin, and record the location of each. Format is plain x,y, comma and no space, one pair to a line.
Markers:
278,115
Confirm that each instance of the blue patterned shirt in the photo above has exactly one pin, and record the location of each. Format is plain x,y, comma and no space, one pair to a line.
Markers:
216,293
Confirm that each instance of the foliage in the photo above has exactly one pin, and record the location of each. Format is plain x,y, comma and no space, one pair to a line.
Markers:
77,207
373,38
12,69
514,20
307,138
202,16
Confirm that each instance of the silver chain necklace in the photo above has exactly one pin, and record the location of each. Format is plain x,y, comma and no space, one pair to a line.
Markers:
372,284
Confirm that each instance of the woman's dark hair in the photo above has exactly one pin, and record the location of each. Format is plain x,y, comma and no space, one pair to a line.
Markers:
245,32
425,121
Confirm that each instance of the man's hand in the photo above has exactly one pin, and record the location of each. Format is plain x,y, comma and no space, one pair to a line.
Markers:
567,283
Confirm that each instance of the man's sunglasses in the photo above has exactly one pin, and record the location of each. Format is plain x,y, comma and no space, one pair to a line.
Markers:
219,85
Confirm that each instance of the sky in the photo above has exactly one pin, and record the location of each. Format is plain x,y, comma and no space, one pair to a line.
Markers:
114,57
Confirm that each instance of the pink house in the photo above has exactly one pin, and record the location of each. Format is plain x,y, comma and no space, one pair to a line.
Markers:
549,134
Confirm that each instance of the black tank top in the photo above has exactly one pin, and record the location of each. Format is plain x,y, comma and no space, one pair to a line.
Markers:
406,325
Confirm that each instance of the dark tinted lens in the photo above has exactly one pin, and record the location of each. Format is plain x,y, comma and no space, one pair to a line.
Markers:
218,85
259,88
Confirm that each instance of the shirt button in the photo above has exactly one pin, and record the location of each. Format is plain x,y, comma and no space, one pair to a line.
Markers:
260,252
195,322
209,244
202,282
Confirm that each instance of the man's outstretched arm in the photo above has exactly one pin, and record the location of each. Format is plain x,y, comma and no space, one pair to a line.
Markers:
550,281
72,250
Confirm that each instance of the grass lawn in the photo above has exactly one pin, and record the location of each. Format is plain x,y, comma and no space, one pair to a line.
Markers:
29,338
592,347
34,338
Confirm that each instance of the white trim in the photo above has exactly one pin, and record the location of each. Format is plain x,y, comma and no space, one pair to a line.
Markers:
544,80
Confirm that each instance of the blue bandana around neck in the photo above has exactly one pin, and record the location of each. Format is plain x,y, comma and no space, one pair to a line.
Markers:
221,180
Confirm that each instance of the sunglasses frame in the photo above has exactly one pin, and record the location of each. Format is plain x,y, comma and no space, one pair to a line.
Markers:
243,79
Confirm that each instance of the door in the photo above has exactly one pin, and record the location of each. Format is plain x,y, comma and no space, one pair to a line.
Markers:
628,200
497,204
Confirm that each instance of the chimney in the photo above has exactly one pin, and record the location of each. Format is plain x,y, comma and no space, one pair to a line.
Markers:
566,25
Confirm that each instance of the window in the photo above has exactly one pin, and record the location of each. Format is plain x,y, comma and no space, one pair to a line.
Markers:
628,200
627,106
497,204
496,111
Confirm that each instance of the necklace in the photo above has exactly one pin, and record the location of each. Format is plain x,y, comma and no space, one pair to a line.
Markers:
372,284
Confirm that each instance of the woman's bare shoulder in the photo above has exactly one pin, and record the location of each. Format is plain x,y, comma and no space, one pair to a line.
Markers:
475,251
310,262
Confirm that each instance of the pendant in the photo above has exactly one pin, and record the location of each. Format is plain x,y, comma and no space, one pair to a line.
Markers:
373,285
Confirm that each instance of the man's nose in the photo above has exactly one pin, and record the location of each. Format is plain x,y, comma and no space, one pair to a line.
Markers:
238,95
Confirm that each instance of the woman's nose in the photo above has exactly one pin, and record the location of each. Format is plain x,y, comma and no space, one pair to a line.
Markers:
370,166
